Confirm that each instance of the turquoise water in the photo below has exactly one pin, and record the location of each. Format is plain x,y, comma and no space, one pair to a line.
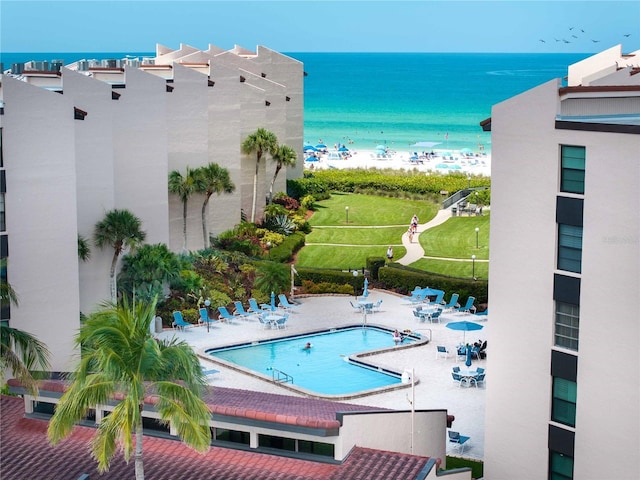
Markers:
402,98
322,368
367,99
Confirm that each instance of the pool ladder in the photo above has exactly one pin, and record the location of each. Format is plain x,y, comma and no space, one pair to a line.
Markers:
281,377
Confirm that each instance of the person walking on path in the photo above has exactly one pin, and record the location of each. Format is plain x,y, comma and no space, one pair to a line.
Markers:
390,253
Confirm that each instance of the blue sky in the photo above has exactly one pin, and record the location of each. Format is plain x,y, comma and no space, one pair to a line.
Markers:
321,26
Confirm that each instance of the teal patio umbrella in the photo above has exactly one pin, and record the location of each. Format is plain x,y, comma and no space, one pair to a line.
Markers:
465,326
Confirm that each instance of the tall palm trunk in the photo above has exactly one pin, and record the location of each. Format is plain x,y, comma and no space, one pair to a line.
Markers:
184,226
139,465
273,181
255,190
205,237
112,277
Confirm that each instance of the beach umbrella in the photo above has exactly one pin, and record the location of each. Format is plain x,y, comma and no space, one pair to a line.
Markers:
465,326
306,148
321,146
442,165
343,149
365,292
468,360
273,301
381,147
311,159
466,151
426,144
446,154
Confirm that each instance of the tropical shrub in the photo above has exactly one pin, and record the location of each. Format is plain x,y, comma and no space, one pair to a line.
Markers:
326,287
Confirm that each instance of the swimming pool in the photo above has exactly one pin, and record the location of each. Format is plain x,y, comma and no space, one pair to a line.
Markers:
329,368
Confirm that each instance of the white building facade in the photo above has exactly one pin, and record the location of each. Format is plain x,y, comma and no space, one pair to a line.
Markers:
97,136
564,401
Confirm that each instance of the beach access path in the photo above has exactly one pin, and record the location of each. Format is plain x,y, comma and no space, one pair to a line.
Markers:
414,250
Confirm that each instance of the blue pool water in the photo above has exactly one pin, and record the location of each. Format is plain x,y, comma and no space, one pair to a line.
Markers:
322,368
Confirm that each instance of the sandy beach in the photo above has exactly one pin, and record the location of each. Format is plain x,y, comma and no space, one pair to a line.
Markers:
432,161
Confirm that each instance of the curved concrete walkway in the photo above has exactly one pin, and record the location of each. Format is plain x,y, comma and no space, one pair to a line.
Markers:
414,250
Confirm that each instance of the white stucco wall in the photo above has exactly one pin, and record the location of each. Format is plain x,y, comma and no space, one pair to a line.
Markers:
39,130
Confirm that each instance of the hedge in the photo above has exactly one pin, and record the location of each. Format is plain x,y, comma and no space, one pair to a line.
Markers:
404,279
283,253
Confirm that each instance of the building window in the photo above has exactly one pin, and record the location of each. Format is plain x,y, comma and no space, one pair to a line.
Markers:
569,248
567,325
3,226
560,466
563,408
572,171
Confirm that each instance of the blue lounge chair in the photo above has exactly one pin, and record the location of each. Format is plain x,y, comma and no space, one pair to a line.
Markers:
284,303
255,308
459,440
240,311
438,300
225,316
204,317
453,303
467,307
179,322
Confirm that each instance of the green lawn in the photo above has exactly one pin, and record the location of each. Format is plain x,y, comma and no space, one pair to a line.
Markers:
357,236
370,210
349,247
453,268
343,257
456,238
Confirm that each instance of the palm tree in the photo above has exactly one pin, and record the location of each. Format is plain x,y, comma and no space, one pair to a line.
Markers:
260,142
145,273
211,179
119,229
272,277
120,357
183,187
84,252
20,351
285,156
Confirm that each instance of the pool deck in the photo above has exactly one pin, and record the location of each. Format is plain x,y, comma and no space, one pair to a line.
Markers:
434,389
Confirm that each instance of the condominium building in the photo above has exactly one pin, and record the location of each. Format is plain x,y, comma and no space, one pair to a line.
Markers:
564,397
97,135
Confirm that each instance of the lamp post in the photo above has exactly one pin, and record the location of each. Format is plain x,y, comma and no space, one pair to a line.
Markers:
269,249
477,231
473,260
468,181
346,211
207,304
355,276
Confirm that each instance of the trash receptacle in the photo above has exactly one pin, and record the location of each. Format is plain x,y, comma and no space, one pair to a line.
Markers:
158,323
454,211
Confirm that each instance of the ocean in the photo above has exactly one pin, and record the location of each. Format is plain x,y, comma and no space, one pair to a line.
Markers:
397,99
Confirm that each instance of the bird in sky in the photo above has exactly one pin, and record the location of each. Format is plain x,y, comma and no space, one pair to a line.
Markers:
566,41
595,41
571,28
557,40
542,41
627,35
574,36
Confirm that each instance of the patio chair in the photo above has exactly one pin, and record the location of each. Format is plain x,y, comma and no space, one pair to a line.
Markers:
457,378
475,352
435,316
240,311
284,303
453,303
478,379
356,308
254,308
225,316
179,322
376,306
442,352
264,322
419,315
459,440
467,307
281,322
204,317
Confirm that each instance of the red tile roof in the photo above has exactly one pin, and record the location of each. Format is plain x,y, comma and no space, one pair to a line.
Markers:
26,453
